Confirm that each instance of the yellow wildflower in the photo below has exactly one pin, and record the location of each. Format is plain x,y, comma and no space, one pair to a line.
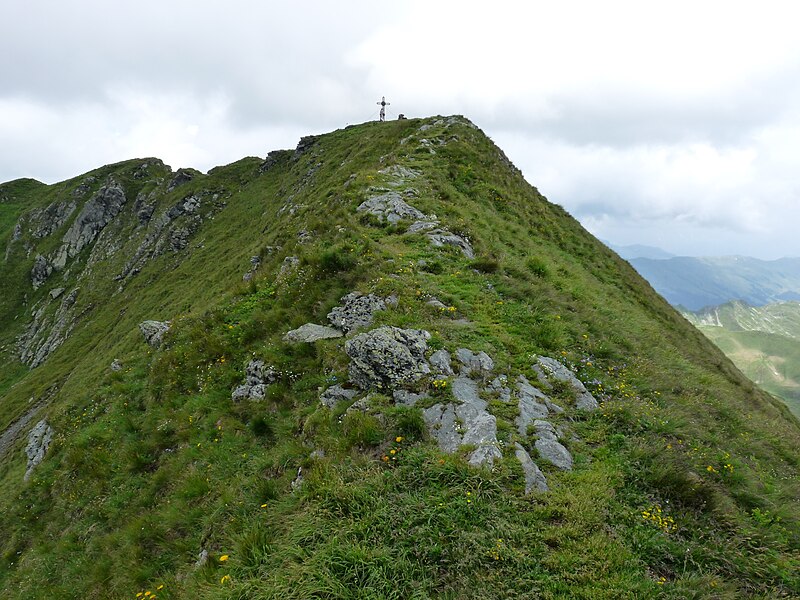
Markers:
223,558
399,438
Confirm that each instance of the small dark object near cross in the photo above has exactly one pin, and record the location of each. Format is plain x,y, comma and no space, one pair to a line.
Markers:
383,104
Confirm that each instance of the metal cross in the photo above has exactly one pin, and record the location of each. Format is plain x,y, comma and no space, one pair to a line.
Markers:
383,104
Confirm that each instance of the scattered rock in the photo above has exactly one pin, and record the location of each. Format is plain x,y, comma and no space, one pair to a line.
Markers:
273,158
442,237
388,358
42,269
56,292
436,303
440,361
397,175
255,263
181,176
39,440
44,334
549,448
479,364
257,377
298,480
406,398
290,263
534,478
356,311
532,405
304,236
310,332
335,394
116,365
202,559
153,331
420,226
443,426
551,368
392,208
499,385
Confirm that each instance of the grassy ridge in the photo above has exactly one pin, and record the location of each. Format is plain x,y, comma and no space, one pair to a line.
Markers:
685,482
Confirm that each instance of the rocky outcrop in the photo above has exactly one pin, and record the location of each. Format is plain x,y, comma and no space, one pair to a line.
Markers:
480,363
549,369
46,221
47,331
42,269
153,331
391,207
336,394
548,446
440,361
388,358
532,405
356,311
311,332
442,237
534,478
39,440
257,377
98,211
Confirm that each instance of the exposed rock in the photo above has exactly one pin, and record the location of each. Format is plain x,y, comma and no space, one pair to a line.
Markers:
443,426
420,226
257,377
304,236
289,263
273,158
534,478
13,431
255,263
406,398
305,144
388,357
549,448
178,239
43,335
181,176
436,303
440,361
499,385
356,311
56,292
442,237
98,211
391,207
153,331
297,482
311,332
202,559
397,175
532,405
42,269
39,440
551,368
48,220
479,364
116,365
335,394
360,405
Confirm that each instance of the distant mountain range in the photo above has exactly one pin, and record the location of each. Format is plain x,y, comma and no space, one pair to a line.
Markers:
695,283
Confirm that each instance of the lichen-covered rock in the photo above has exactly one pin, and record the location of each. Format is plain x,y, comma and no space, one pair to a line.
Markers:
549,448
443,426
311,332
550,368
289,264
392,208
356,311
39,440
257,377
388,358
46,333
116,365
534,478
42,269
335,394
406,398
153,331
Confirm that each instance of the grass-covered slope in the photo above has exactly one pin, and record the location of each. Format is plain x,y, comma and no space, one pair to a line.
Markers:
685,481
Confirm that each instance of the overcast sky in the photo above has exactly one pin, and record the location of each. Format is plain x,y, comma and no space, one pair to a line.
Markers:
674,124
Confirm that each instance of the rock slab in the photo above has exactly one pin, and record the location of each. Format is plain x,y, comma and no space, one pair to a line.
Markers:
39,440
388,358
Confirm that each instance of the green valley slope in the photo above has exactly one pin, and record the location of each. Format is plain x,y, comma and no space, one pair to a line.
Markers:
229,461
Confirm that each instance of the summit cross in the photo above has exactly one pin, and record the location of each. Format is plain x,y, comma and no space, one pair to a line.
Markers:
383,104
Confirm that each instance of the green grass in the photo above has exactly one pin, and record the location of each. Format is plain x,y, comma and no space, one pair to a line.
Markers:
153,463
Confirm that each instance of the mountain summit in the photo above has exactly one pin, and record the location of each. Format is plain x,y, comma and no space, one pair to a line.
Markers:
380,365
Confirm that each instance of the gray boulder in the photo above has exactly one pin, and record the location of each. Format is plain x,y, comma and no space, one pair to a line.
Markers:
289,264
116,365
356,311
532,405
257,377
335,394
443,426
474,364
406,398
420,226
534,478
549,448
39,440
440,361
311,332
392,208
388,358
550,368
153,331
499,385
442,237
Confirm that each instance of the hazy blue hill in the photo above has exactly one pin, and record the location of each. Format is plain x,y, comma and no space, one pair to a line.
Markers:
640,251
695,283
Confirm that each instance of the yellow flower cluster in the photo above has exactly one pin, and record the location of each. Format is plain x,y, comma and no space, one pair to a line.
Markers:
148,594
655,516
439,384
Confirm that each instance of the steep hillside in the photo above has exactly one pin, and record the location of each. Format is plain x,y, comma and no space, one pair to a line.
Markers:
695,283
378,366
763,341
